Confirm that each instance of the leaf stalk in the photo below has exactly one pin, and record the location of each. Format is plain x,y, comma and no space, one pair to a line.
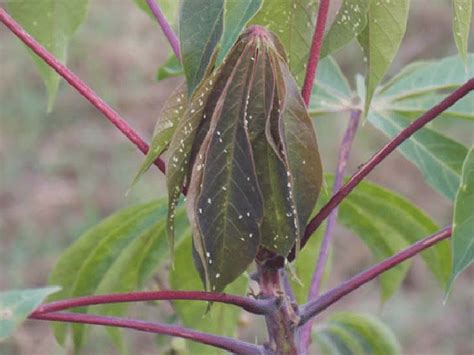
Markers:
305,333
79,85
378,157
313,308
315,51
165,27
229,344
255,306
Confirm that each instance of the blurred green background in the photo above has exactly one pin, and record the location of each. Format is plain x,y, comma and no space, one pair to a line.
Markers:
62,172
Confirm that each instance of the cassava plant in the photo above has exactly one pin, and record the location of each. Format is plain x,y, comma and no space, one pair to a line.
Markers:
239,143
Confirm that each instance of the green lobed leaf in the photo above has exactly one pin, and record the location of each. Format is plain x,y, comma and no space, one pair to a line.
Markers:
168,119
16,306
331,90
439,158
171,68
429,76
356,333
229,206
119,253
220,319
136,265
293,21
462,25
350,20
237,13
381,38
415,106
52,23
463,221
387,223
200,29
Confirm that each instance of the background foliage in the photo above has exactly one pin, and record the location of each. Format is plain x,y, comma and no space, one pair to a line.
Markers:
83,185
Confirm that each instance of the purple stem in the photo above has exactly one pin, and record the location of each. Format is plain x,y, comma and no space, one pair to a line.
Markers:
313,308
256,306
229,344
79,85
315,51
165,27
378,157
305,334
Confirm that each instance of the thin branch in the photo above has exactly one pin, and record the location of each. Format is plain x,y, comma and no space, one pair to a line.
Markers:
229,344
315,51
165,26
78,84
256,306
315,307
305,335
406,133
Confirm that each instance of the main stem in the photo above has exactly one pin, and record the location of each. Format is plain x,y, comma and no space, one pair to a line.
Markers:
281,325
313,308
79,85
305,333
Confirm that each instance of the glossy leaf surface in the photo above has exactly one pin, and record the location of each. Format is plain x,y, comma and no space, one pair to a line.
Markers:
463,220
168,119
52,23
300,150
293,22
237,13
350,20
196,120
16,306
278,232
381,38
229,207
200,29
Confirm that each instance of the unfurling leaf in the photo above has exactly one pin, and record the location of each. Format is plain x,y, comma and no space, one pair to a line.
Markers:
165,127
247,150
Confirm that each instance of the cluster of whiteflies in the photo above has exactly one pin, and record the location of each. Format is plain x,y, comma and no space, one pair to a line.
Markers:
244,145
